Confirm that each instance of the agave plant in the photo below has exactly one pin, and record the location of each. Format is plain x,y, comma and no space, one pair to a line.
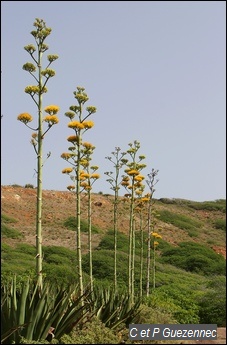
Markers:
114,308
34,314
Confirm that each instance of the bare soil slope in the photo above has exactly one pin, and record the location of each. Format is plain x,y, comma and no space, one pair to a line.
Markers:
20,203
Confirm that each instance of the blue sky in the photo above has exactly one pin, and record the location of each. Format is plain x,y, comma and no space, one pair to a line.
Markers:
155,70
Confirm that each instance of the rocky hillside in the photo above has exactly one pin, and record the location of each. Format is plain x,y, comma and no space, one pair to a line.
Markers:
179,220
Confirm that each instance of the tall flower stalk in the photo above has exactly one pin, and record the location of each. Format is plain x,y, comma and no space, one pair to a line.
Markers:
151,182
118,161
41,76
132,181
155,243
88,177
76,158
141,210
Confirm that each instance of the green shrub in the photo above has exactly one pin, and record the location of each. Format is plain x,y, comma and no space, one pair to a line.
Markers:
29,185
176,300
220,224
212,303
155,315
63,252
216,205
93,332
10,232
60,274
26,249
195,257
71,223
107,242
179,220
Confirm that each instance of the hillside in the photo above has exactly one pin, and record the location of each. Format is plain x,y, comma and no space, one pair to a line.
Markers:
204,220
188,283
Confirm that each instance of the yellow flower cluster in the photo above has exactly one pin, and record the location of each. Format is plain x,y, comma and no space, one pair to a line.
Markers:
52,119
88,124
88,145
145,199
125,183
156,235
133,172
32,89
95,176
138,191
84,175
139,178
67,170
73,138
76,125
84,184
52,109
24,117
66,155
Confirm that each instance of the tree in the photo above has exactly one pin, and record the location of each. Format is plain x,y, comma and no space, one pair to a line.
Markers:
76,157
41,76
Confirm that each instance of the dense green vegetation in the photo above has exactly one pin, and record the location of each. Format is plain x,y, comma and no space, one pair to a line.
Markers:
217,205
71,222
190,282
181,221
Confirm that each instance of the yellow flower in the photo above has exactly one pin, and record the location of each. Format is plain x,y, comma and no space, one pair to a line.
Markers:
88,124
156,243
88,145
52,109
85,175
96,176
67,170
88,187
138,184
76,125
52,119
73,138
84,184
66,155
133,172
156,235
138,192
139,178
24,117
145,199
124,183
48,73
32,89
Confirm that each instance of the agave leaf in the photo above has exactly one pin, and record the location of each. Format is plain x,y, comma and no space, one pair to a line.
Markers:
22,303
